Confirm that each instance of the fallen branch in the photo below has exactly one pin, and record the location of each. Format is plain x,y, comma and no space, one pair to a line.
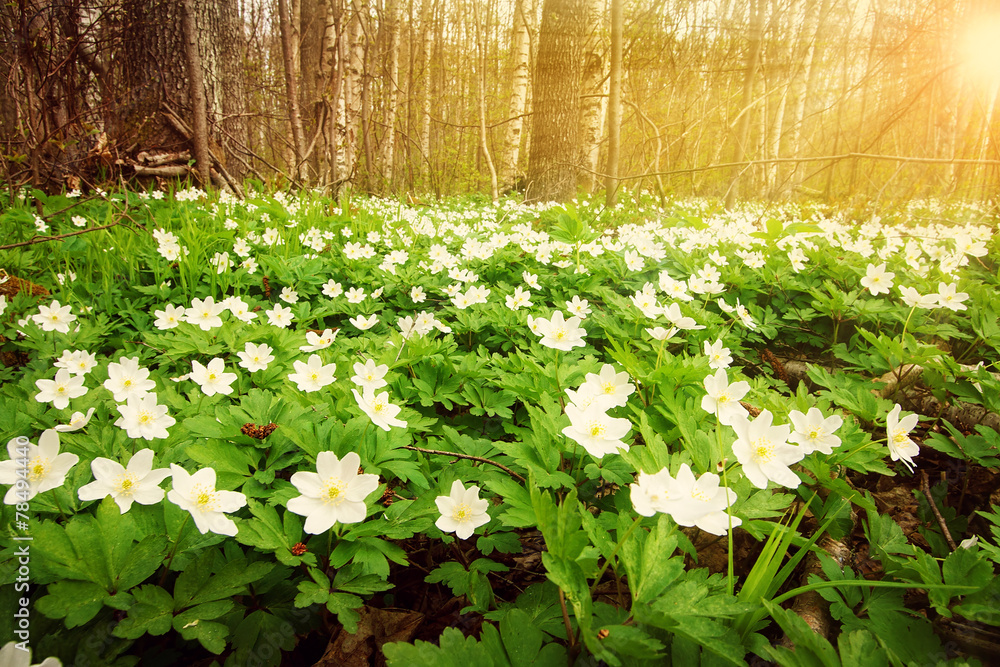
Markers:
792,160
45,239
926,487
466,456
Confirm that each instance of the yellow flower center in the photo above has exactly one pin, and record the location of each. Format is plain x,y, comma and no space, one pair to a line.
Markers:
597,430
314,377
560,334
462,512
698,494
128,483
144,417
610,387
212,376
127,382
815,432
763,450
38,468
335,492
722,398
206,498
899,437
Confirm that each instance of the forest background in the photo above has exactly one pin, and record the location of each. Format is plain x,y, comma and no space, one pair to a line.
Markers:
835,100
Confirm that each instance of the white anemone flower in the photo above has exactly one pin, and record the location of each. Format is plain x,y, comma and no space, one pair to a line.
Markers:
208,507
135,482
335,493
462,511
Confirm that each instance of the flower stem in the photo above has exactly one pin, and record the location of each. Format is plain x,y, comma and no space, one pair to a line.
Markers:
729,516
907,323
628,534
173,550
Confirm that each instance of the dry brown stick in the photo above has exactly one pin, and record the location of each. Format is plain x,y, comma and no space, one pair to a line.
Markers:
570,637
926,486
466,456
43,239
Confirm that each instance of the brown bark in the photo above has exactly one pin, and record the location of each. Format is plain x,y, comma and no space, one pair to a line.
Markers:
555,127
154,72
196,91
289,59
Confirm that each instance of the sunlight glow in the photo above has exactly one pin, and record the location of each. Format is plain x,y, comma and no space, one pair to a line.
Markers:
979,49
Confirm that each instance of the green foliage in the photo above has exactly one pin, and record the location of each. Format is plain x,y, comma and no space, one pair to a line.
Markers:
485,404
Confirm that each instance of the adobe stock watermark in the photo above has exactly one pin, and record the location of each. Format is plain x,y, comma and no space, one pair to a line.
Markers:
22,582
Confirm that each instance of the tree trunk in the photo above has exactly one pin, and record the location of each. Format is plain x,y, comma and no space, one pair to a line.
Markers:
592,104
427,29
391,88
555,127
289,53
816,12
614,102
154,73
483,137
196,89
520,48
743,130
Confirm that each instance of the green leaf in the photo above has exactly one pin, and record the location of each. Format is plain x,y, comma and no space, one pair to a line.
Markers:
811,649
860,648
629,641
76,601
152,613
455,650
521,639
211,635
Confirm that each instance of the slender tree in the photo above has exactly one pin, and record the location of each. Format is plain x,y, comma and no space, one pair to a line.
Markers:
614,102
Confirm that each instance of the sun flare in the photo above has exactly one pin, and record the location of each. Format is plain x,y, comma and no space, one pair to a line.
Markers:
979,49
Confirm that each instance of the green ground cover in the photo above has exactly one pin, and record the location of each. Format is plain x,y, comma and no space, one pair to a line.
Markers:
463,433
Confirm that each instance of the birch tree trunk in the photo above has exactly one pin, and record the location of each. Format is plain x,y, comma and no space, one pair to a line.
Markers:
352,54
427,31
390,82
520,49
153,72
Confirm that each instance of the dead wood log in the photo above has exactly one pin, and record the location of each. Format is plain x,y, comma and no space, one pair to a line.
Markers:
915,397
148,160
165,171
